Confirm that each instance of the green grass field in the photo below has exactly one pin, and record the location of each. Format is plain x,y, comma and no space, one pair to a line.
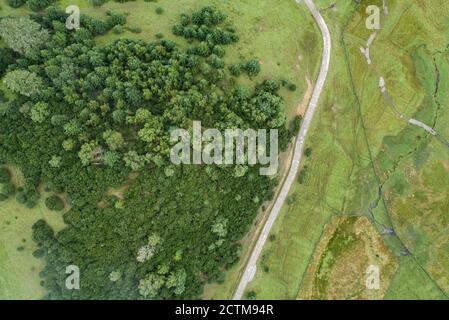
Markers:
360,145
19,270
411,283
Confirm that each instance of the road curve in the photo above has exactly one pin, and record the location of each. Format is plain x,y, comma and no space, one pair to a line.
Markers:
250,269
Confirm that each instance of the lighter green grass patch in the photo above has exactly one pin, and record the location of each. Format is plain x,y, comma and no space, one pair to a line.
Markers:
19,270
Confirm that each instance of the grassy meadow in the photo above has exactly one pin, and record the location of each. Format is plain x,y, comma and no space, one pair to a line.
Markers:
19,269
360,147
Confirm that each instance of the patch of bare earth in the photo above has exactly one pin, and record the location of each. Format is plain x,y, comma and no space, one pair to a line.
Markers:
302,107
348,247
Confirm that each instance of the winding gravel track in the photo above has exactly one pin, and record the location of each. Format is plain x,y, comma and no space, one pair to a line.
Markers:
250,269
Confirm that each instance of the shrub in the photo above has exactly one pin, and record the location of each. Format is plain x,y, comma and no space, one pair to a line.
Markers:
39,253
219,51
38,5
159,35
251,295
28,197
21,198
178,30
135,29
32,195
235,69
54,203
8,189
185,19
3,197
252,67
118,29
30,204
16,3
295,125
24,82
292,87
159,10
95,26
270,86
5,175
97,3
115,18
42,232
308,152
302,175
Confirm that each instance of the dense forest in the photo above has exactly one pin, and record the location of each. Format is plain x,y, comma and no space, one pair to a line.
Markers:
92,125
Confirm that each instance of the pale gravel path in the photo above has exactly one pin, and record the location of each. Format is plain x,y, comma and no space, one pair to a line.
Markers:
250,269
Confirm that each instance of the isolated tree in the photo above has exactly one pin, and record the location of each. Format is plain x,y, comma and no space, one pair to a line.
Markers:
252,67
68,144
235,69
292,87
110,158
21,197
23,82
177,281
72,128
308,152
220,227
88,152
8,189
114,276
55,161
54,203
240,171
42,232
38,5
16,3
251,295
149,286
23,35
118,116
113,139
58,119
134,161
39,112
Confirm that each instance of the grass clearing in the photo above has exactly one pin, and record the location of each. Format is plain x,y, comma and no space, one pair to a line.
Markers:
19,270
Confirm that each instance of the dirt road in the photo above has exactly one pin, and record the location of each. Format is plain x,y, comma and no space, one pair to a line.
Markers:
250,269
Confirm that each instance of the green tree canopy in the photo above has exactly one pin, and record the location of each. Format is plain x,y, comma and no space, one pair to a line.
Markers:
23,35
23,82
